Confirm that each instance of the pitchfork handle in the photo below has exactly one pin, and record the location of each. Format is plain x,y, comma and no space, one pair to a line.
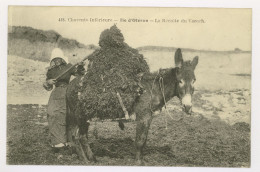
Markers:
62,74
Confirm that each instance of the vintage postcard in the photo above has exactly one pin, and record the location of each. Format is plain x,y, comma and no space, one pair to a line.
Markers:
129,86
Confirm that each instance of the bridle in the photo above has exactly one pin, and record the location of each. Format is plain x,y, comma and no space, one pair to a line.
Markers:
161,85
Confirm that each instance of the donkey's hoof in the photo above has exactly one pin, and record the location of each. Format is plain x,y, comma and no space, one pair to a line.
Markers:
81,158
139,163
93,159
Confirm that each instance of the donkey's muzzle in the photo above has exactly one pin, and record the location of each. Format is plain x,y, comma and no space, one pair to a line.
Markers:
187,105
187,109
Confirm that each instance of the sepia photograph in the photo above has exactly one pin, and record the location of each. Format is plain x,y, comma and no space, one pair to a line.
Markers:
129,86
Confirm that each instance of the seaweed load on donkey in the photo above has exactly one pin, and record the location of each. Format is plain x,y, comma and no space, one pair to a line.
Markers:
112,81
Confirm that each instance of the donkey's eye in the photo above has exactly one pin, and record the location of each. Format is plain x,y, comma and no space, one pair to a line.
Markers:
193,81
181,83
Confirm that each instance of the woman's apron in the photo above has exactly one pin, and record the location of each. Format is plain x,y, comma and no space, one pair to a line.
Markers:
57,115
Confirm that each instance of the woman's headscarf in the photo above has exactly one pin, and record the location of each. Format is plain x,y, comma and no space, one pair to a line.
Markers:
58,53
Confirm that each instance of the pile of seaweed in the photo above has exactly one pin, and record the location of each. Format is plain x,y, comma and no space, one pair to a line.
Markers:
115,68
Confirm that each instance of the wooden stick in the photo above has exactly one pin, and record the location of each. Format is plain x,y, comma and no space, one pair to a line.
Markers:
122,106
66,71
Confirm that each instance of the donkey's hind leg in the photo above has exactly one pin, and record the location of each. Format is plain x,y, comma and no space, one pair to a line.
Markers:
142,128
87,149
84,141
77,132
73,134
77,144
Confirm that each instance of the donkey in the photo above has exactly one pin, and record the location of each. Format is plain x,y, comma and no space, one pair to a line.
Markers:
159,89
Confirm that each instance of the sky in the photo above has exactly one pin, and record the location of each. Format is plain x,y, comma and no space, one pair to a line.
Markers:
214,29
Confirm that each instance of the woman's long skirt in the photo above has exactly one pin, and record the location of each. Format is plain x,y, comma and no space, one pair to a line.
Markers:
56,113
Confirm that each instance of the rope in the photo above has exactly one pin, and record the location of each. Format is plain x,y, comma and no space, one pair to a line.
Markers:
167,112
162,90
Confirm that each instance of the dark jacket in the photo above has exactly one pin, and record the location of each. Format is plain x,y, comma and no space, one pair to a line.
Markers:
55,71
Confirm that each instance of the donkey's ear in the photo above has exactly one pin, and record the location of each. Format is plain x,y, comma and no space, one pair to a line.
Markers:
194,62
178,58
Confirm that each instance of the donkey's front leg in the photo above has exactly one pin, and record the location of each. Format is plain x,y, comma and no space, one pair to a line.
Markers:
142,128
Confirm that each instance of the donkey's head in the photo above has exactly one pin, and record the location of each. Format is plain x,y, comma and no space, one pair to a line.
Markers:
185,78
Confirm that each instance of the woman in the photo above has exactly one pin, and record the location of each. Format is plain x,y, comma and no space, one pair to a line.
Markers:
56,110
